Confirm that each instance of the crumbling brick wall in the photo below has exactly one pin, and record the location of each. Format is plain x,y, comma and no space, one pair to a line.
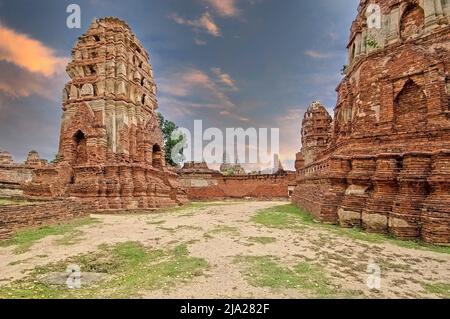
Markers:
210,187
17,217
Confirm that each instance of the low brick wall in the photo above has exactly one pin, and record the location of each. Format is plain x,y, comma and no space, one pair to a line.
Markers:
12,177
17,217
212,187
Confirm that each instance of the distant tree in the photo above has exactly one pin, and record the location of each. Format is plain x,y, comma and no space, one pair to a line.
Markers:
55,159
167,128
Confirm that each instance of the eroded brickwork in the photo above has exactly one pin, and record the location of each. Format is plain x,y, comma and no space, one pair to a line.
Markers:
13,175
111,151
14,218
203,183
385,166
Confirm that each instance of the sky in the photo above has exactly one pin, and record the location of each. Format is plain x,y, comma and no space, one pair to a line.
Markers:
229,63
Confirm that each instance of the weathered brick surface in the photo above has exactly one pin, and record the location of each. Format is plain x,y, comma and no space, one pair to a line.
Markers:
391,128
14,218
203,183
111,153
14,175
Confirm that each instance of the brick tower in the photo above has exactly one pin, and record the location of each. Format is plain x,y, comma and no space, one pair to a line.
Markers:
386,166
111,152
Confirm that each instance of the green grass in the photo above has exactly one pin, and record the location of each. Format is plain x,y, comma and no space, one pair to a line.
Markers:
179,228
224,229
440,289
24,239
266,272
71,238
132,269
280,217
262,240
291,217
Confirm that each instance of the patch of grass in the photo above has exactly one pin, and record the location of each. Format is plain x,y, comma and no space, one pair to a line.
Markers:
393,266
291,217
262,240
132,269
440,289
224,229
24,239
181,227
281,217
186,208
266,272
70,238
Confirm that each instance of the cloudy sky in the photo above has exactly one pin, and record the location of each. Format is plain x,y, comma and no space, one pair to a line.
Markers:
230,63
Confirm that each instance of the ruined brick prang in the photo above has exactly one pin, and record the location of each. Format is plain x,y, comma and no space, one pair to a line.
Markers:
111,151
13,175
386,166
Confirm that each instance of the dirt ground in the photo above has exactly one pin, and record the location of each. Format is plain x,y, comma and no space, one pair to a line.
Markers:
222,232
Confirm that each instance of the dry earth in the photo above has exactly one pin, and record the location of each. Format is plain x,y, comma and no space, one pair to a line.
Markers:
225,233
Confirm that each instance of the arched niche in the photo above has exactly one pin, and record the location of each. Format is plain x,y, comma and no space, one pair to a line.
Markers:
80,155
73,94
410,108
352,52
87,90
412,21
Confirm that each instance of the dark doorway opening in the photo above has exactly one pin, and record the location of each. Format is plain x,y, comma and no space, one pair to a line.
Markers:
80,148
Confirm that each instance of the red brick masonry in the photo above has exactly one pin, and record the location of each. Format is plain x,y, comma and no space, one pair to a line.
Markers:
263,187
14,218
384,162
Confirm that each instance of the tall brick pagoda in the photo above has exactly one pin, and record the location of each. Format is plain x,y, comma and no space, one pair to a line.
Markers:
111,153
386,164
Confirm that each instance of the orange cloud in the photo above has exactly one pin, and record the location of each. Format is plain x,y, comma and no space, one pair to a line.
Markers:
28,53
225,78
205,23
16,82
225,8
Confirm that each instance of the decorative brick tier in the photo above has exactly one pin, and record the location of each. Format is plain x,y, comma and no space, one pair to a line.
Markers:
380,203
404,221
358,191
435,215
